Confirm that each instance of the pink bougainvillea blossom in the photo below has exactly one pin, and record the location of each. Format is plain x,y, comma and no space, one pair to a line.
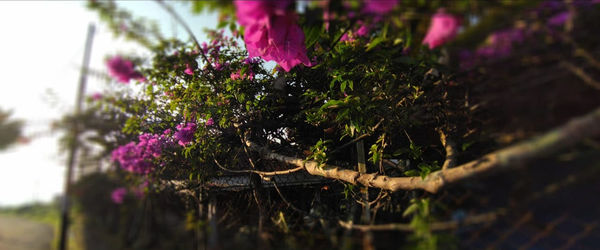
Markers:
185,133
500,43
188,70
272,32
138,157
118,195
380,7
122,70
559,19
210,122
250,12
443,28
139,190
362,31
96,96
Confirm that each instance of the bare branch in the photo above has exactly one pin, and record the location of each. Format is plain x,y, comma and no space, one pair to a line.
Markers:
261,173
186,27
577,71
450,147
287,202
435,226
562,137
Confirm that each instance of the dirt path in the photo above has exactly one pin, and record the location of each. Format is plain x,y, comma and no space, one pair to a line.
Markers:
22,234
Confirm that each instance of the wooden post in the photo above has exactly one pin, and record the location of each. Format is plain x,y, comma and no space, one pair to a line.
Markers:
201,229
362,168
213,237
64,223
366,208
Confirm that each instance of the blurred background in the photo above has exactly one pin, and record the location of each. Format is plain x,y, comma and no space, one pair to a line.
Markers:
42,51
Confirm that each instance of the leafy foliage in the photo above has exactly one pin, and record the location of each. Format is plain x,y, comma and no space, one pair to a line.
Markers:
382,87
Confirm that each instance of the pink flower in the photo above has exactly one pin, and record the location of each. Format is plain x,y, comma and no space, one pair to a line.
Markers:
250,12
235,75
188,70
138,157
362,31
96,96
122,70
442,29
380,7
118,195
210,122
559,19
272,32
140,190
185,133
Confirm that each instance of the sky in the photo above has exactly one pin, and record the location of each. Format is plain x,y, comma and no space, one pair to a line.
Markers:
41,49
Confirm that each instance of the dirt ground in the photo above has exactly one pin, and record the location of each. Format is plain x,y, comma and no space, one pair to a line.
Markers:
22,234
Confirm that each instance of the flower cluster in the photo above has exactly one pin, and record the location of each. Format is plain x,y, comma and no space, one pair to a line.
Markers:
122,70
96,96
185,133
118,195
443,28
249,73
271,32
362,31
380,7
500,44
137,157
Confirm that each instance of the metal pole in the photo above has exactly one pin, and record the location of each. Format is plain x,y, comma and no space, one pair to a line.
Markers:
64,223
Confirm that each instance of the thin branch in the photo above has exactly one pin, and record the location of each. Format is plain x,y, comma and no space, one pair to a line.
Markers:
261,173
350,143
186,27
579,51
562,137
577,71
435,226
287,202
450,147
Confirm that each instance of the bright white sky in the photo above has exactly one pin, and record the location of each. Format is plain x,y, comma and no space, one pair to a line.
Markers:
41,48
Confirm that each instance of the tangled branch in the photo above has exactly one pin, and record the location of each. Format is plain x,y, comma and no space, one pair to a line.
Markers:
559,138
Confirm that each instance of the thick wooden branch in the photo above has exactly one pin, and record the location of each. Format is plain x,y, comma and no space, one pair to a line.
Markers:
562,137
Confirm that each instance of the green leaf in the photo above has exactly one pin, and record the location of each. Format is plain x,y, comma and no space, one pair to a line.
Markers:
410,209
312,34
374,43
411,173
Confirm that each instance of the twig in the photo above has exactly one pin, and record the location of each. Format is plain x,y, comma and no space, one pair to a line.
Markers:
358,138
562,137
435,226
579,51
287,202
261,173
577,71
450,147
186,27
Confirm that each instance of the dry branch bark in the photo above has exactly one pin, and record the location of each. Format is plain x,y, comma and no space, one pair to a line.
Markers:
559,138
450,147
